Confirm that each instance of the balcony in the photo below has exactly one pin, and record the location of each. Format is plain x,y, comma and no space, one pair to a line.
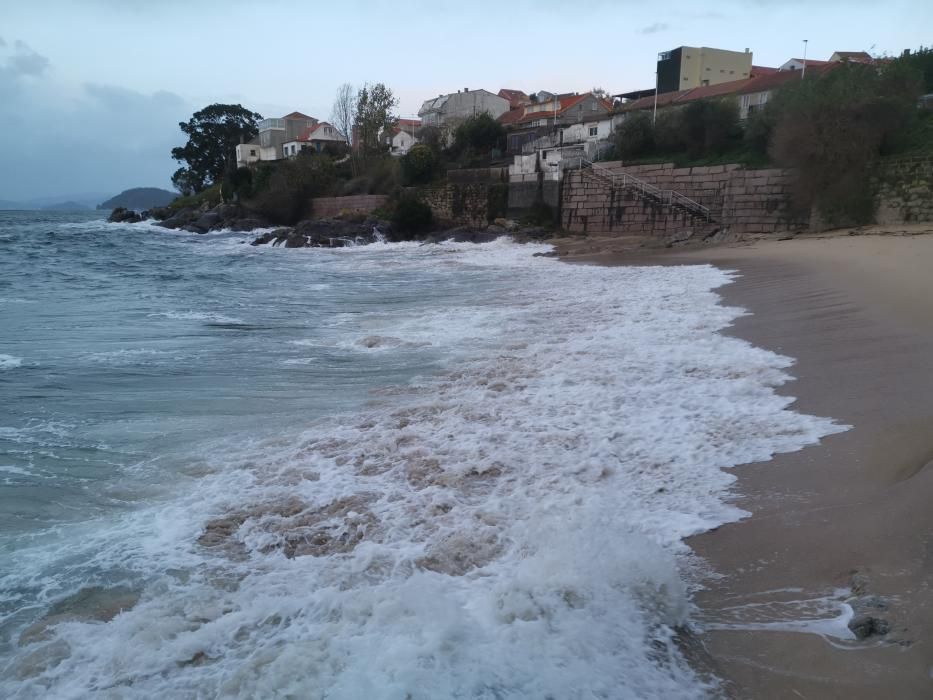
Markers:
268,124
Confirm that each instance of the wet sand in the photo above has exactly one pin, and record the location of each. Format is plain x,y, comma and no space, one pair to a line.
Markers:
852,515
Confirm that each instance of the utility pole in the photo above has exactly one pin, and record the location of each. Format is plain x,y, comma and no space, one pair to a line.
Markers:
654,117
803,72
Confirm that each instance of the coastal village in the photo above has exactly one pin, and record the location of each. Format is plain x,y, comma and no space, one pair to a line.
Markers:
687,159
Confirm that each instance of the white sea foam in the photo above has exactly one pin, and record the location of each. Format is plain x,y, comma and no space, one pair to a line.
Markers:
511,527
10,361
207,316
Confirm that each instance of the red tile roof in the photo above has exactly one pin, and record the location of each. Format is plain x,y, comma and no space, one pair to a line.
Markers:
307,134
854,56
516,98
409,122
298,115
512,116
762,70
761,83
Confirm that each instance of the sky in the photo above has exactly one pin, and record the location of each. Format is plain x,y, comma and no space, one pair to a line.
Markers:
91,91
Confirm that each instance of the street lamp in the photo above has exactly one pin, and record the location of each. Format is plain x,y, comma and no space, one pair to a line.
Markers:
803,71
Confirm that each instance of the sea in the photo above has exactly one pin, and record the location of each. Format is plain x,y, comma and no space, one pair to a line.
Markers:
395,471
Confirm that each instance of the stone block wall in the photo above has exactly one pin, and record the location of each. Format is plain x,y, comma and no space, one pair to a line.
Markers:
328,207
904,191
467,204
744,201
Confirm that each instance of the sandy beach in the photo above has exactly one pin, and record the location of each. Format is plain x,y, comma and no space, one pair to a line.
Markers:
849,519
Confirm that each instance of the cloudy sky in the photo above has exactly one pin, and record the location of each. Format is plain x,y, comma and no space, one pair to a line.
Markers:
91,91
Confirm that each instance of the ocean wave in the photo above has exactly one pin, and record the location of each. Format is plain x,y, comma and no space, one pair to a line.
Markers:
510,527
196,316
10,362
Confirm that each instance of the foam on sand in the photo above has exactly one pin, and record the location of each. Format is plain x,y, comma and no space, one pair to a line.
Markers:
511,527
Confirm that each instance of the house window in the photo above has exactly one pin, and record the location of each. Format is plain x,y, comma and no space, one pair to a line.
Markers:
705,82
252,151
594,130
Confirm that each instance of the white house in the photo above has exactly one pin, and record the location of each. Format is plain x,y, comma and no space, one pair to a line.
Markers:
402,136
313,138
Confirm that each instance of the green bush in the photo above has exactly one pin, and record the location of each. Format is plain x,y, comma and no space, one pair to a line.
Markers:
419,165
710,127
634,137
412,216
479,135
832,130
282,192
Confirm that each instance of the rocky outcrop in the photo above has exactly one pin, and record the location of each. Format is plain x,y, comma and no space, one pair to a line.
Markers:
328,233
124,216
204,218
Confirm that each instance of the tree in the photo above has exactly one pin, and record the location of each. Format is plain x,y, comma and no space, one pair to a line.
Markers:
710,126
479,134
374,107
634,137
419,164
600,93
343,113
213,135
832,128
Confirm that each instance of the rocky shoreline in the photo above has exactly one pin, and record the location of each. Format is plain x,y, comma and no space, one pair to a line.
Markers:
322,232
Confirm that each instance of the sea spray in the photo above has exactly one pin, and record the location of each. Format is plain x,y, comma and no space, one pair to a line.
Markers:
507,520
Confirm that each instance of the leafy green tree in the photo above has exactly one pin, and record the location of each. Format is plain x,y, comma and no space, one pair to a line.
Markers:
374,105
213,134
419,164
479,135
634,137
710,127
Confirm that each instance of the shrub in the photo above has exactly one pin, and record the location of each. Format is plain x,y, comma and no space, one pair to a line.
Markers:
668,132
479,135
282,192
412,216
710,127
634,137
832,128
419,165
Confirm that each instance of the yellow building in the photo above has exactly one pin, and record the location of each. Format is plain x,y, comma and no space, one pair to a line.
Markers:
691,66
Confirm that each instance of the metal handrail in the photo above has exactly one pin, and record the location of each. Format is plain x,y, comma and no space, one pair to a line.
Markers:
629,181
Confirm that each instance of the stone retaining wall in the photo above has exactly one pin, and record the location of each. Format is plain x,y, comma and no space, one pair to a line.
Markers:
328,207
744,201
467,204
904,191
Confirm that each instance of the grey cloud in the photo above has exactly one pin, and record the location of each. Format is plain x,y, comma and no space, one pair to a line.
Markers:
23,61
130,135
654,28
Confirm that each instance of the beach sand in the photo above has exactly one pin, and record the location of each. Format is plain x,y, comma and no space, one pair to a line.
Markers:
852,515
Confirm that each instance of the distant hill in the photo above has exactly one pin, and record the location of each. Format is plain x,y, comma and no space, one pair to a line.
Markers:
66,206
139,198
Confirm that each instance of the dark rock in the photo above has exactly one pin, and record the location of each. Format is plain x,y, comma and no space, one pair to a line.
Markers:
549,254
270,236
181,218
209,220
124,216
465,234
535,233
247,224
193,228
160,213
865,626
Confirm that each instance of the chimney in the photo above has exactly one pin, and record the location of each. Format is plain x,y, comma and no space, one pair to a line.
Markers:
746,49
466,89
